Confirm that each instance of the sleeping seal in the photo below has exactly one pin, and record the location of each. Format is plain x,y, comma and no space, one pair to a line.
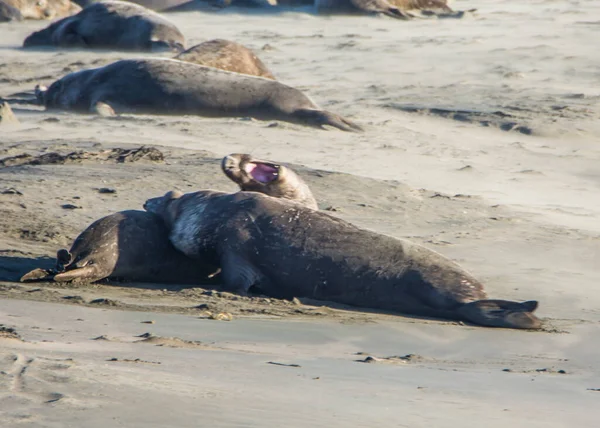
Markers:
16,10
267,177
128,245
226,55
288,250
401,9
111,24
168,86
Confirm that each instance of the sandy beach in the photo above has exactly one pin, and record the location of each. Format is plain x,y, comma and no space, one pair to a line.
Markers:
482,142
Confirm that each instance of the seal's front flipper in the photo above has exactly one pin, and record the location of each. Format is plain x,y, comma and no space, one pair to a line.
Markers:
88,274
238,274
103,109
323,117
502,313
37,275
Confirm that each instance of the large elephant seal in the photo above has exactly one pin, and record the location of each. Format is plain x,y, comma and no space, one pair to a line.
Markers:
129,245
111,24
401,9
269,178
168,86
36,9
288,250
226,55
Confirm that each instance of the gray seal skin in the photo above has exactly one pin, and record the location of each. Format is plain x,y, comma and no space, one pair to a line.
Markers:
268,178
128,245
168,86
226,55
17,10
287,250
111,25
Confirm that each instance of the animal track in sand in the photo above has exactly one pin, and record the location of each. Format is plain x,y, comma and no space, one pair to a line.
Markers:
28,382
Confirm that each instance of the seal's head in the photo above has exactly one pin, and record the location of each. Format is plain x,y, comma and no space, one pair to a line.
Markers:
164,206
269,178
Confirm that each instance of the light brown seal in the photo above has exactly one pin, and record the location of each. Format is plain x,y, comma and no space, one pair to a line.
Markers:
111,24
169,86
226,55
128,245
267,177
287,250
36,9
402,9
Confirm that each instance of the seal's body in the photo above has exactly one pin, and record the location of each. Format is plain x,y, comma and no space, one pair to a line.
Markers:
169,86
16,10
111,25
288,250
226,55
267,177
128,245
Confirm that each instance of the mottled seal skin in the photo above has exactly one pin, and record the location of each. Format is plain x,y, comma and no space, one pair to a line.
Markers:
128,245
156,5
401,9
16,10
226,55
169,86
111,25
268,178
288,250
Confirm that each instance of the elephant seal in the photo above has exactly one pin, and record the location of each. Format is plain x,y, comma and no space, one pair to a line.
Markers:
267,177
288,251
36,9
226,55
401,9
155,5
130,245
168,86
111,24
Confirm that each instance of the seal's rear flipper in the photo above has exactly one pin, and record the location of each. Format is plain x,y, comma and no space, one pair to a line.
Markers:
502,313
38,275
87,273
323,117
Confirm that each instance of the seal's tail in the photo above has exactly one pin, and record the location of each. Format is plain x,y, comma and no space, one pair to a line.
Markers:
323,117
502,313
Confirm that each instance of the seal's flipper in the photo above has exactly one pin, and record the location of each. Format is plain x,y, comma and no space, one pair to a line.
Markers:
238,274
88,273
37,275
323,117
103,109
502,313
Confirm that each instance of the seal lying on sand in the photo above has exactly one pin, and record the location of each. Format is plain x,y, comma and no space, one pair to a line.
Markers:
288,250
156,5
402,9
267,177
130,245
111,24
226,55
168,86
36,9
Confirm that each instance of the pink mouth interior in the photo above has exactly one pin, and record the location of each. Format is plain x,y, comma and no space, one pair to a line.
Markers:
262,172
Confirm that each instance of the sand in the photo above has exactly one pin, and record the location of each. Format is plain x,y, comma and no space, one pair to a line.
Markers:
481,142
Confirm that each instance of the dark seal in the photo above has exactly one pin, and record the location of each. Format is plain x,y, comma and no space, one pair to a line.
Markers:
287,250
111,25
268,178
128,245
169,86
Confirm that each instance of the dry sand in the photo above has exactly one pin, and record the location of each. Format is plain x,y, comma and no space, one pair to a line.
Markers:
482,142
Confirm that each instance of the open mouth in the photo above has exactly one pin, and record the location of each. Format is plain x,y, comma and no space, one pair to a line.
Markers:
262,172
